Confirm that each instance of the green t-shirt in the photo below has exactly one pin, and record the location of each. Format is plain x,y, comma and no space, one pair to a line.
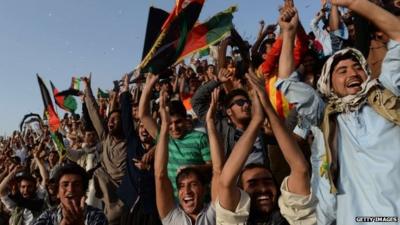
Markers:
192,149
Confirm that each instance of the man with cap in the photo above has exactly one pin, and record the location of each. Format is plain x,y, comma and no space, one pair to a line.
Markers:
356,160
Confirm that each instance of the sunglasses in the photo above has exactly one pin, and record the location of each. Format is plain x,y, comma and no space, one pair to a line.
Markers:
240,102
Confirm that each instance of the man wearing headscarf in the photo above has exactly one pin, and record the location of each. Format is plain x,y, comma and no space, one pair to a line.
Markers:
355,158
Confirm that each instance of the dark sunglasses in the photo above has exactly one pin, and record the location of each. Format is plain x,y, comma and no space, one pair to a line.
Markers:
240,102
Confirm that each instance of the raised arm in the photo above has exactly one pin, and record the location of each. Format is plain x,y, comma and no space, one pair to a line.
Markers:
229,193
314,24
144,106
93,108
182,85
164,190
217,152
286,60
40,163
334,18
4,183
126,109
383,20
223,45
299,179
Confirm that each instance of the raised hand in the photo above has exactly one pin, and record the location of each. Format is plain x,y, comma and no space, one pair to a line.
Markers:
164,110
289,19
73,212
210,117
87,80
224,75
256,83
151,79
257,112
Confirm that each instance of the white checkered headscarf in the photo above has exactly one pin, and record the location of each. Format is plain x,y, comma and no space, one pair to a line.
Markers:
347,103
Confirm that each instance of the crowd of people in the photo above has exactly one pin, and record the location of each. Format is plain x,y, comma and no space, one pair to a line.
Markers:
296,128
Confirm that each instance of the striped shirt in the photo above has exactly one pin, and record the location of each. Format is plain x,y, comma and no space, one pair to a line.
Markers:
192,149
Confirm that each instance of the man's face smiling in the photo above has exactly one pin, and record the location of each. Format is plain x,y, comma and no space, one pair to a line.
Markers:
70,189
347,78
259,184
191,193
177,127
144,134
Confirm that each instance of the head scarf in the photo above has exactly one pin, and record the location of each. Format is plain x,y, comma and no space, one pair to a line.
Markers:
348,103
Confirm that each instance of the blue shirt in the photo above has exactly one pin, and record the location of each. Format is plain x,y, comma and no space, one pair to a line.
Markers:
368,148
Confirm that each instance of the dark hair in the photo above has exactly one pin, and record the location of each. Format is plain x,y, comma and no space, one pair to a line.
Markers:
75,169
341,57
176,108
185,172
253,166
236,92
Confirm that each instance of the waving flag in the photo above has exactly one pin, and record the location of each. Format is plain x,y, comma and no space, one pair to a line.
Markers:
208,33
52,117
171,41
64,100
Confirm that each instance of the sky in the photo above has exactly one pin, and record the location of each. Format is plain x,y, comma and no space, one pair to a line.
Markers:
60,39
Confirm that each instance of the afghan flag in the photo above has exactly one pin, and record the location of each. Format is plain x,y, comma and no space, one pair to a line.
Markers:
208,33
52,117
65,99
171,41
204,52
